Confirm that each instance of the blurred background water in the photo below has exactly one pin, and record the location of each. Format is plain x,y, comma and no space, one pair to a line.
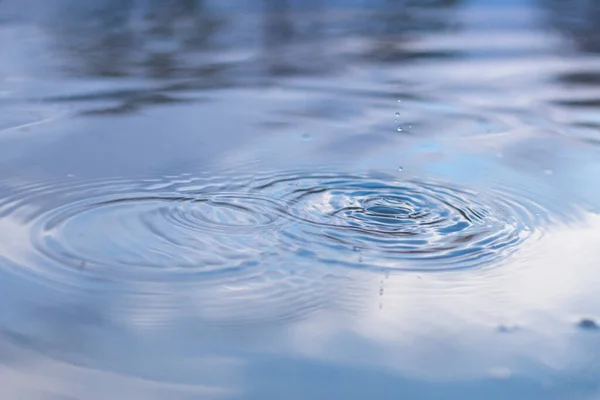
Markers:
299,199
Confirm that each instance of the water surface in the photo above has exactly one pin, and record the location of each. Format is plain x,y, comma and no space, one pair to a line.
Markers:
299,199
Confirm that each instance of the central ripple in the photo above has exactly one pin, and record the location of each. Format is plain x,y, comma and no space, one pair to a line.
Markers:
401,224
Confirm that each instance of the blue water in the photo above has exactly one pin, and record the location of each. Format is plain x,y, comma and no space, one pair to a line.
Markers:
321,199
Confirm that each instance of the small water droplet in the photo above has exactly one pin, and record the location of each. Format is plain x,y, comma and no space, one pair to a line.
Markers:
399,101
507,328
524,234
70,175
381,291
396,121
588,324
548,171
500,373
356,248
397,114
400,168
399,129
306,136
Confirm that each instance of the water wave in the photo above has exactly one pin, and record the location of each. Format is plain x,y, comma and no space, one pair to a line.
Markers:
250,248
401,224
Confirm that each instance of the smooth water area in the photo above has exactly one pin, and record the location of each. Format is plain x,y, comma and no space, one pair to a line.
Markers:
324,199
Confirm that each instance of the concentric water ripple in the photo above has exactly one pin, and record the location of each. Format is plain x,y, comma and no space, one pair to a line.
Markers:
182,228
401,224
161,248
162,232
158,230
248,249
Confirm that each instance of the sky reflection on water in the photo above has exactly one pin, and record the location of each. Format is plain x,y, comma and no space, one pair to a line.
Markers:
202,199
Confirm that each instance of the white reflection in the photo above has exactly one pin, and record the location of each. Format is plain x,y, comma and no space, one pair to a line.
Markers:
448,325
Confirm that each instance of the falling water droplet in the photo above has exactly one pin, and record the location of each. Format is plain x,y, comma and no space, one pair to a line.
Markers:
397,114
400,168
399,129
306,136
